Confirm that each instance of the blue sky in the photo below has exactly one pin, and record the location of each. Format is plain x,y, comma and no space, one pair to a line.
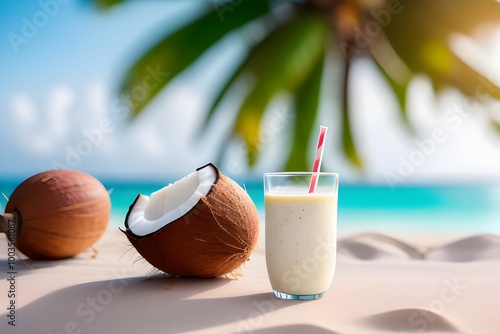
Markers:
65,75
57,89
79,42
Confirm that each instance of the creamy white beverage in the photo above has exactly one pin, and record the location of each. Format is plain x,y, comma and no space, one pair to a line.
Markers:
300,241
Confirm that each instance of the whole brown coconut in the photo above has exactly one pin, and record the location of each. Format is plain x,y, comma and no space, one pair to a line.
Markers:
210,229
56,214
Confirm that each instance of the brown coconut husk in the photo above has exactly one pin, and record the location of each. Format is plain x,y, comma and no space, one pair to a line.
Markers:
59,213
216,237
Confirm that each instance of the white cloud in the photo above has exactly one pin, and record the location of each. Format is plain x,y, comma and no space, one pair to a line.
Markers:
24,110
470,152
39,126
61,100
161,142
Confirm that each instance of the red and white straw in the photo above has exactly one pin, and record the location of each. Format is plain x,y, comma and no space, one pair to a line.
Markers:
319,157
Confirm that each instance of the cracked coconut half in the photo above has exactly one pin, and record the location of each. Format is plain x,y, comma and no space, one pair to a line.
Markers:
204,225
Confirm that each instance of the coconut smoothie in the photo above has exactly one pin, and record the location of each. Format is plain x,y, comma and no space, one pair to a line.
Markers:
300,242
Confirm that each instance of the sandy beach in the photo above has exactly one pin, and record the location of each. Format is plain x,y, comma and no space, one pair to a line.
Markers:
382,284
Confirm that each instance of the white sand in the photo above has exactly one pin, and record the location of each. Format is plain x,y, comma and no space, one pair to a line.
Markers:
381,286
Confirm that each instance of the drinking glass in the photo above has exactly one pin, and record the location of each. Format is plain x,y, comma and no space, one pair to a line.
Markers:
300,233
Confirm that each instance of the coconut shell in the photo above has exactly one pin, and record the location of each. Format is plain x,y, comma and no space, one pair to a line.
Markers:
62,213
216,237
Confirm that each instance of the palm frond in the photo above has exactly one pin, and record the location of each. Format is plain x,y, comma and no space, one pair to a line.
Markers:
165,60
348,144
281,62
307,99
107,3
400,89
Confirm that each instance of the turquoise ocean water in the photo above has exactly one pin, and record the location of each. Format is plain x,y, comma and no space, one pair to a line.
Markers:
467,209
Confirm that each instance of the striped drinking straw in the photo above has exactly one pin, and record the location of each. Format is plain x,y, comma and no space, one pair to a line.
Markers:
317,160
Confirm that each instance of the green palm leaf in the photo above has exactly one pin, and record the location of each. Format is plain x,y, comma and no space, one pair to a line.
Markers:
280,63
290,58
179,50
425,48
218,99
306,109
400,89
348,145
107,3
496,125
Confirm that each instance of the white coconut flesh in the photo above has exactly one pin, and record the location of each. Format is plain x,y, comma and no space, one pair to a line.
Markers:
151,213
